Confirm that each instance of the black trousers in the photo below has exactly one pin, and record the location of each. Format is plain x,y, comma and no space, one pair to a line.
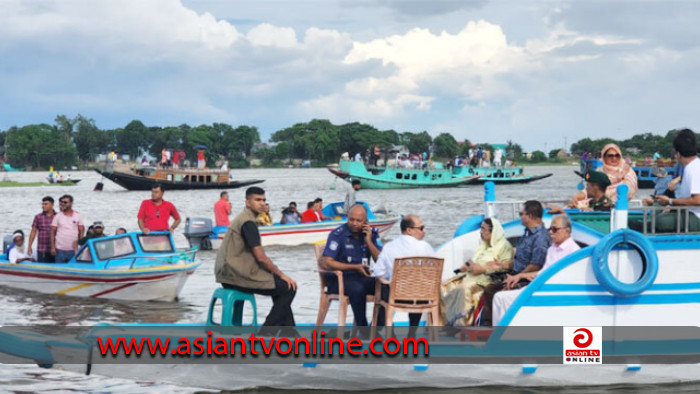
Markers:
413,318
357,287
487,310
282,296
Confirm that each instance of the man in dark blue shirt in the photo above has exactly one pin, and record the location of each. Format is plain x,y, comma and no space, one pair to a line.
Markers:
529,255
347,248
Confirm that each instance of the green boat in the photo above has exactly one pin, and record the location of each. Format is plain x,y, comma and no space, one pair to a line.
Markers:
500,175
396,177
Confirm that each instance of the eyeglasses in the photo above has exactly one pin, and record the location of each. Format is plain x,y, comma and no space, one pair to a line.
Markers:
421,228
614,156
63,202
554,229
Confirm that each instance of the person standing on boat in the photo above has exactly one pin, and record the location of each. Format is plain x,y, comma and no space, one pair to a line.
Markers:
348,249
201,164
18,252
562,246
242,264
66,229
688,192
222,210
529,255
41,230
350,196
154,214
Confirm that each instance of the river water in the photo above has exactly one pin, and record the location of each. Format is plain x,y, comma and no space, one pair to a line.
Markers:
442,210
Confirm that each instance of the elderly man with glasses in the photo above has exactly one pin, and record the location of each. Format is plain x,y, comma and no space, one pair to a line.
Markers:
529,255
66,229
409,243
562,246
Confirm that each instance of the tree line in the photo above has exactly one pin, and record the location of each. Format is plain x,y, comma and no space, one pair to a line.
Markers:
71,141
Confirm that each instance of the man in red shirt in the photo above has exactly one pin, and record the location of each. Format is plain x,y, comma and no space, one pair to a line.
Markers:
222,210
310,215
155,213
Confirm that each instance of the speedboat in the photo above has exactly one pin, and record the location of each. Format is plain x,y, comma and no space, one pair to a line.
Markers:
131,266
200,232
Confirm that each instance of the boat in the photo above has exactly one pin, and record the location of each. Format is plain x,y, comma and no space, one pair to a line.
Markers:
200,232
67,181
498,175
7,167
172,178
396,177
132,266
644,172
613,287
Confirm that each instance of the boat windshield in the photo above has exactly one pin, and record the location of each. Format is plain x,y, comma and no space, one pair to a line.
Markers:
155,243
114,247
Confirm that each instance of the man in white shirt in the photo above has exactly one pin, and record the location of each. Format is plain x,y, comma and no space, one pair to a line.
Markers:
686,147
409,243
18,252
350,198
562,245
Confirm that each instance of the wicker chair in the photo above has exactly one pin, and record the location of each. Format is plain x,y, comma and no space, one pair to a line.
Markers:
326,297
414,288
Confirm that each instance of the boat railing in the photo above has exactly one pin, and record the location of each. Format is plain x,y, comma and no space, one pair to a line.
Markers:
682,218
510,210
180,256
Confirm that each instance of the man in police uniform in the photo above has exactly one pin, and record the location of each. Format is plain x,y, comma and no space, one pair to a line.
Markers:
347,247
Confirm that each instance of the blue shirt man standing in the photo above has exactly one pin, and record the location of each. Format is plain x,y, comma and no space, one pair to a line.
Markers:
347,248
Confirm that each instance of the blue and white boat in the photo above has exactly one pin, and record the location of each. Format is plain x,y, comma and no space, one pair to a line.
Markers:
199,231
131,266
620,280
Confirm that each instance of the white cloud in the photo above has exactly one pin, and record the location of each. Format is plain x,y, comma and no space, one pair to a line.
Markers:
266,34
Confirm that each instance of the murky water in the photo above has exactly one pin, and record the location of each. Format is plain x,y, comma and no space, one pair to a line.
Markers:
442,211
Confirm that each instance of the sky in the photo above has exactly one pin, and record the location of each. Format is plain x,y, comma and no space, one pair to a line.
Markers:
541,73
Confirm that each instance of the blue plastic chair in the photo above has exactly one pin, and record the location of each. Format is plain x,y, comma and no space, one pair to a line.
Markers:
232,302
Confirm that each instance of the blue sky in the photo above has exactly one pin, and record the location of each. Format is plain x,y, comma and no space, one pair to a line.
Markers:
541,73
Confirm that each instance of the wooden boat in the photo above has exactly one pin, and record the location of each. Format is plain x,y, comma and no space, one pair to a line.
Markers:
172,179
132,266
396,177
498,175
199,231
653,279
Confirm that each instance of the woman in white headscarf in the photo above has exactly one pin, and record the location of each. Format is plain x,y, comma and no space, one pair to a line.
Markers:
460,294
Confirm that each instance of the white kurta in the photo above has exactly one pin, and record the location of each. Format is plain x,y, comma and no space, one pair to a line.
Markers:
504,299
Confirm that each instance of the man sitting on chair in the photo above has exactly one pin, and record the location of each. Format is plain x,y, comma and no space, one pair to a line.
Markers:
409,243
347,248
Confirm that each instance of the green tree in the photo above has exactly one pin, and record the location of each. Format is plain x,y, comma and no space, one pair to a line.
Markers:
89,140
132,138
446,145
64,127
538,156
513,151
416,142
239,141
553,154
38,146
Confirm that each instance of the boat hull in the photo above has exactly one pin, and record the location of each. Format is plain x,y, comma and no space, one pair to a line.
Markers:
397,178
132,285
387,376
135,182
305,233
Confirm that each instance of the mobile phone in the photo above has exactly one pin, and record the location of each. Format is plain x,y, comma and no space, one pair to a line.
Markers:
457,271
